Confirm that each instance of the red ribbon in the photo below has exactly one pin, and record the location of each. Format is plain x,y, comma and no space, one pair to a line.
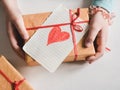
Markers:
15,84
73,25
108,49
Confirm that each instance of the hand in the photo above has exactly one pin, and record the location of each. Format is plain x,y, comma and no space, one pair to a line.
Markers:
97,34
15,24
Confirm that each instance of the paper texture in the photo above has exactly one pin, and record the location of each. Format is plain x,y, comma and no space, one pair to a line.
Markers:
51,50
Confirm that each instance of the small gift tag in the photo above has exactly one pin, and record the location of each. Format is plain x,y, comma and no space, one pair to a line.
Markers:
52,43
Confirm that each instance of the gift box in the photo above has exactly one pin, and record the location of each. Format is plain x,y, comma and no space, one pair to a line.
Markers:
35,21
10,78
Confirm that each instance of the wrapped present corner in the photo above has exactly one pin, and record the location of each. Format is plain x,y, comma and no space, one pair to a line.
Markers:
10,78
34,21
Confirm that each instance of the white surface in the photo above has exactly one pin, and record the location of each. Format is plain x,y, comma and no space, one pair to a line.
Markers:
103,74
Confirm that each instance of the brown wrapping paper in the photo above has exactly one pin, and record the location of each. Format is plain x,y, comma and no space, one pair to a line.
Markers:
35,20
13,75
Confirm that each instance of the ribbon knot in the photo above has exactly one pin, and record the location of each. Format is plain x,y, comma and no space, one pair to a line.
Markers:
16,84
73,23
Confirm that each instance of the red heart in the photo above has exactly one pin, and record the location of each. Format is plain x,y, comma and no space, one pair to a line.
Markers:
56,35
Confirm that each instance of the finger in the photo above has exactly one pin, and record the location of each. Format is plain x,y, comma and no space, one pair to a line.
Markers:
91,59
18,22
92,33
101,42
13,40
99,50
14,14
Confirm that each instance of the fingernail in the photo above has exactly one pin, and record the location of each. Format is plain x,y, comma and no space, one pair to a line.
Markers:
26,37
88,44
90,62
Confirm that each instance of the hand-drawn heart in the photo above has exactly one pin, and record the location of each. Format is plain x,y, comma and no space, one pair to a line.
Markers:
56,35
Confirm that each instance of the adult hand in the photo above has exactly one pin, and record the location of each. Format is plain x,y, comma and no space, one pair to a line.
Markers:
15,24
97,34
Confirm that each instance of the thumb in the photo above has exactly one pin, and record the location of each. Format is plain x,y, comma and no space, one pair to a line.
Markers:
19,23
92,33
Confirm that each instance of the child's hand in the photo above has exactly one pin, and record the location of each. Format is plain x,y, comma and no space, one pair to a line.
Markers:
14,19
98,32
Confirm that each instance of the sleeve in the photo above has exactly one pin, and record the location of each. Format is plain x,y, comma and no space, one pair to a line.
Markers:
106,4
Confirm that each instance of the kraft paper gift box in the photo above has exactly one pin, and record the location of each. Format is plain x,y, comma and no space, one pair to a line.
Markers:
10,78
33,21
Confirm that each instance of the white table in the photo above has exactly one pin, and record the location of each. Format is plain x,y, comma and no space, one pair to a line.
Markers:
103,74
